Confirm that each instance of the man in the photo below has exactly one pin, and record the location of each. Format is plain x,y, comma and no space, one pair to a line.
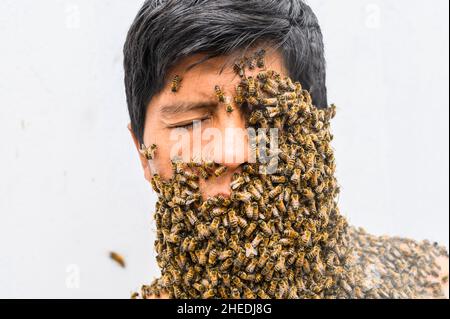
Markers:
185,62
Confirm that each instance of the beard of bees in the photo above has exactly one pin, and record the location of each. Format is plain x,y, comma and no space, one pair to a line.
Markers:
275,237
279,235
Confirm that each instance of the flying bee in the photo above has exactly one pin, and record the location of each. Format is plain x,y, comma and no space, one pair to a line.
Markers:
176,83
117,258
148,152
219,94
219,171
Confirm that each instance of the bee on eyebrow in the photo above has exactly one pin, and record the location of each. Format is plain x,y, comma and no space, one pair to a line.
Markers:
176,82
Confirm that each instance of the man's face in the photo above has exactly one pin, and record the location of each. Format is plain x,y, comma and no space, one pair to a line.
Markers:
196,100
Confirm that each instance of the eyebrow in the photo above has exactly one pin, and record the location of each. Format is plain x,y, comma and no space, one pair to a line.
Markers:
181,107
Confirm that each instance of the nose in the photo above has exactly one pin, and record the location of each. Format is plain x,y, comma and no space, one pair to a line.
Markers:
230,149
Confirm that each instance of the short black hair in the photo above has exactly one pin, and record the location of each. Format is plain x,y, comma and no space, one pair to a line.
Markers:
164,31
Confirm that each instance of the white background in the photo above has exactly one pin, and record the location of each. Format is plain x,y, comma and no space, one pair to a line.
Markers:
71,186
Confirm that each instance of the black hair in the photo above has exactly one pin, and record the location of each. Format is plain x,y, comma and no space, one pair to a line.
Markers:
164,31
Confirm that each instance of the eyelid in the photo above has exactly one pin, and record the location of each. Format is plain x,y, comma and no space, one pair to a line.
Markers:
189,123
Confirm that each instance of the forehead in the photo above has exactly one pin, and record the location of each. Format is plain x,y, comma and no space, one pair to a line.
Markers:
199,81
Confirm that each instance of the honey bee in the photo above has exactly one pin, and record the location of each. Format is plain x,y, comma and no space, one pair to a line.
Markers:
239,98
203,231
148,152
270,89
176,83
250,229
251,266
248,293
219,94
210,293
265,228
239,68
275,192
235,294
219,171
260,59
225,254
117,258
251,84
226,264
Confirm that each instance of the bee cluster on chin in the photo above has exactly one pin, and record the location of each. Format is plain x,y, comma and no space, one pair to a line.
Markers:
279,234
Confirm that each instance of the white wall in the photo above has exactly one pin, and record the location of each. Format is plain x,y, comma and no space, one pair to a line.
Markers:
71,187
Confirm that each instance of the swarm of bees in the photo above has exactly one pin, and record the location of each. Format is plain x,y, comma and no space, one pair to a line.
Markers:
279,235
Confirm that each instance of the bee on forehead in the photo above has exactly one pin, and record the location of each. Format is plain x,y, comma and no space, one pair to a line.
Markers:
175,85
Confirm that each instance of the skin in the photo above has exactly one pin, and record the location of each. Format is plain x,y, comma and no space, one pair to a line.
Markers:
198,86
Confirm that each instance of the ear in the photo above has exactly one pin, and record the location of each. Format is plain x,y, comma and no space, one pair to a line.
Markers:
144,162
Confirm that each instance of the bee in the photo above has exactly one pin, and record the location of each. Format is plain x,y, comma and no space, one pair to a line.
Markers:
221,235
176,83
272,288
225,254
203,173
270,89
250,250
148,152
240,259
237,183
239,98
228,107
251,63
242,222
226,264
193,220
219,171
190,274
305,237
265,228
250,229
235,294
260,59
257,240
239,68
251,266
219,94
203,231
117,258
210,293
214,226
242,197
264,257
275,192
248,293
